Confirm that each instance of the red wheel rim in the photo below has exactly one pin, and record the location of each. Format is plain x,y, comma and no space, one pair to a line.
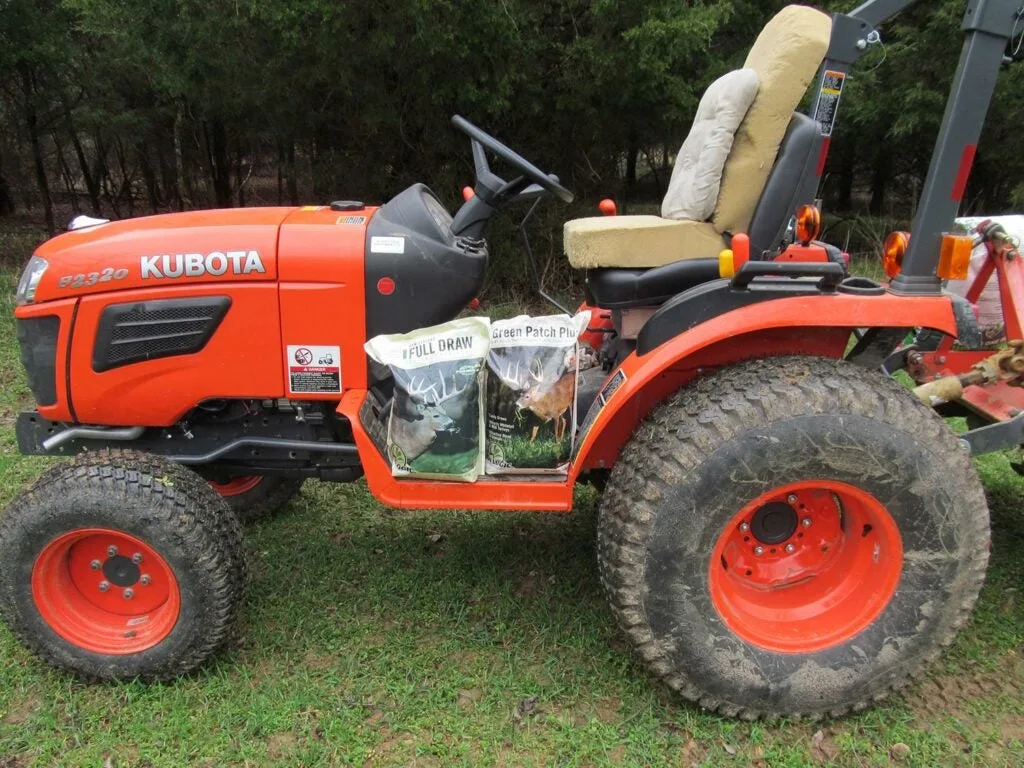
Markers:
236,486
818,586
105,591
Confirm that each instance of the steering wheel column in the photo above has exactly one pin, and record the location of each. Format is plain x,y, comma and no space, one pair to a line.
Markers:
490,191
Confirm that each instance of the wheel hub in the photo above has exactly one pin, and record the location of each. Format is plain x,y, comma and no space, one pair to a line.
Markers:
774,523
121,571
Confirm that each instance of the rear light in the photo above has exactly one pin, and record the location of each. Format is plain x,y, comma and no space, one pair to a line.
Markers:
808,224
895,246
955,256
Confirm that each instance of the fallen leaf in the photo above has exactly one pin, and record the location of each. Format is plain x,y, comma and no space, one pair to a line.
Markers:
899,751
433,537
729,749
823,750
466,699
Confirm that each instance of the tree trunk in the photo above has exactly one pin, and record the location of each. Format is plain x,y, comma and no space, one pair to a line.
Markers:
90,183
179,163
631,158
292,182
38,159
220,166
148,176
880,181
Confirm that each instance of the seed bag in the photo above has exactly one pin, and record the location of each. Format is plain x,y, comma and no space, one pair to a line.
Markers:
436,425
532,365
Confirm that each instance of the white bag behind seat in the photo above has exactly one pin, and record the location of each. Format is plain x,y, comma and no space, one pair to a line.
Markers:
697,175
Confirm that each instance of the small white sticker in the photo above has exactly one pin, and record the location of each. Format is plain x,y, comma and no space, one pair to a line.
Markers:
313,368
387,245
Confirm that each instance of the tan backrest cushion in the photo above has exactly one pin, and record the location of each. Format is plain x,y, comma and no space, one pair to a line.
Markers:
697,175
786,57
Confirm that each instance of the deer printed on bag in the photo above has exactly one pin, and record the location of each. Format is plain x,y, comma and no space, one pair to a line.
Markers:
417,420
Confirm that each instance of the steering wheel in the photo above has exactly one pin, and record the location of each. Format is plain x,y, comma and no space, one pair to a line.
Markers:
482,141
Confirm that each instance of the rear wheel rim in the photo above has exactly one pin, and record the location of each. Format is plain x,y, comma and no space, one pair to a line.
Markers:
105,591
236,486
806,566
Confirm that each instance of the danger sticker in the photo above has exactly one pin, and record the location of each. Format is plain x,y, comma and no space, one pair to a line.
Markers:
313,369
387,245
828,100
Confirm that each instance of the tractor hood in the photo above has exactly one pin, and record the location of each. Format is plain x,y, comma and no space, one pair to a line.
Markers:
169,249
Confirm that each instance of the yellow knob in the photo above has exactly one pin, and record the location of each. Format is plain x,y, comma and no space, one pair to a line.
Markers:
726,265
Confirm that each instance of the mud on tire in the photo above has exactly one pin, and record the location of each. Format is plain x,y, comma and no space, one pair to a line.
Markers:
132,522
723,443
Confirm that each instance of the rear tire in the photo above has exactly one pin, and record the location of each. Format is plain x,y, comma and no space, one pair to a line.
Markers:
892,497
121,565
255,497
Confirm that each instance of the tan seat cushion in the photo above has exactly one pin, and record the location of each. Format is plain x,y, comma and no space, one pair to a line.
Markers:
786,57
638,241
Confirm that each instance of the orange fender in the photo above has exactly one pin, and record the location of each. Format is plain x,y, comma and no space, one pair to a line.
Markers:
802,325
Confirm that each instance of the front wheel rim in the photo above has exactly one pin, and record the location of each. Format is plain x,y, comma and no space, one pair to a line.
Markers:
806,566
105,591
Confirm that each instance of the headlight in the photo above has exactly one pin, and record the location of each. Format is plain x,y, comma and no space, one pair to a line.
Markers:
30,280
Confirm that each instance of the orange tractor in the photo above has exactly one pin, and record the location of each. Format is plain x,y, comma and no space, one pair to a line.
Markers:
781,532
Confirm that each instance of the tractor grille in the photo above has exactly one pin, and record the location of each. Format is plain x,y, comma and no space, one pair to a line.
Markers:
37,341
147,330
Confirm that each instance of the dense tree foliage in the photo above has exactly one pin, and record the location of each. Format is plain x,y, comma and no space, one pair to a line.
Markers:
129,106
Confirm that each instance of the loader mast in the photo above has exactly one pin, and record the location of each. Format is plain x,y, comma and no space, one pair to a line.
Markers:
988,25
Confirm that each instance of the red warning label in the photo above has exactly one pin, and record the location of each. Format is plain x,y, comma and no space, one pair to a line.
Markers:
313,369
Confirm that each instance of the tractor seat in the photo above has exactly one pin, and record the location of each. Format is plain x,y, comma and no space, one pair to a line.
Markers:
747,164
793,181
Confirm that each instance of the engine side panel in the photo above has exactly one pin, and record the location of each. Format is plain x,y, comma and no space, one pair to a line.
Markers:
242,359
323,315
233,245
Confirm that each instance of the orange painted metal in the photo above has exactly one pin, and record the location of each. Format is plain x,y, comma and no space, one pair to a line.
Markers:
66,588
323,298
65,310
548,494
113,257
807,325
242,359
820,587
797,252
599,327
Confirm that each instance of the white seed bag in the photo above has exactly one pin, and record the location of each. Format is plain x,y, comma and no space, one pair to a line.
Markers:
436,425
533,366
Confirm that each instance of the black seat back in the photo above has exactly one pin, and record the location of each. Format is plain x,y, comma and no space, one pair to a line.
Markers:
793,182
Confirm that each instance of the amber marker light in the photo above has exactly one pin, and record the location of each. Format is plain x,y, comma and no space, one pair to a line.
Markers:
955,256
896,245
808,224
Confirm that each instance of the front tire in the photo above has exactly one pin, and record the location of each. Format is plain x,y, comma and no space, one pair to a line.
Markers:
739,604
120,566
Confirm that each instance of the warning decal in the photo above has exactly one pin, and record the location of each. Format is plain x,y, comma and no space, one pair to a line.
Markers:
313,368
828,100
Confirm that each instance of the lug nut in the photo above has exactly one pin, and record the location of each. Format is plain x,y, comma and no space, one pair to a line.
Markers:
806,522
144,579
137,558
790,548
791,498
111,551
129,593
104,586
758,551
744,527
95,565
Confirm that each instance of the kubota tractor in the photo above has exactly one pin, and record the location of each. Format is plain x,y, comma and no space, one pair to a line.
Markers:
782,532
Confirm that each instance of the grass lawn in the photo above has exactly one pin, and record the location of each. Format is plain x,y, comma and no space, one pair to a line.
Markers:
377,637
